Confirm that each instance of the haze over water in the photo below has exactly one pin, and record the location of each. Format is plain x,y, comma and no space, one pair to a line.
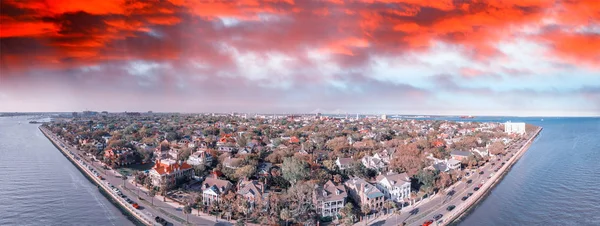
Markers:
39,186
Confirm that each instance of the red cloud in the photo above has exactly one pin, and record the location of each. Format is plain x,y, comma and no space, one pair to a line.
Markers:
74,33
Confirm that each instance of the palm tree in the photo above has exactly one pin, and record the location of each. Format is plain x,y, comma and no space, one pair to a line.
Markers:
152,193
365,209
200,204
187,209
163,190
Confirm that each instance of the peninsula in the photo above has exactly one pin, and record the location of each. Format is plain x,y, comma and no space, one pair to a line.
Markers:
200,169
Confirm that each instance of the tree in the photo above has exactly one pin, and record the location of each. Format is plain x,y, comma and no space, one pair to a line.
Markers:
427,179
163,190
245,171
330,165
148,182
152,193
294,169
285,215
497,148
365,209
187,209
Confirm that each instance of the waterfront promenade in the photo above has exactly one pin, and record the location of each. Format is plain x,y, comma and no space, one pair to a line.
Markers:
147,211
485,177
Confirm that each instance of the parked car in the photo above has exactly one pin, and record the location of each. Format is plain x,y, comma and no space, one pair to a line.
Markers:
450,207
427,223
469,181
476,188
437,217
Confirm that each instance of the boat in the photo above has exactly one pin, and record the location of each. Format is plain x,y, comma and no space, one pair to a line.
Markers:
467,116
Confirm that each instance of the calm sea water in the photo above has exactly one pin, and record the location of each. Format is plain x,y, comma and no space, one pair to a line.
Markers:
39,186
556,182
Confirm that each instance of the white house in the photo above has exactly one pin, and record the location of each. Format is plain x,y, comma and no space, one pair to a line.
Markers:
213,189
394,186
343,163
199,158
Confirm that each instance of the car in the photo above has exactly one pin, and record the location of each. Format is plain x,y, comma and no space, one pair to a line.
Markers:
450,207
481,172
135,205
427,223
160,220
464,198
437,217
476,188
493,163
469,194
469,181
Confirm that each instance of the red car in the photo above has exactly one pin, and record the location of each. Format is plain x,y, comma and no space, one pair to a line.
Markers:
427,223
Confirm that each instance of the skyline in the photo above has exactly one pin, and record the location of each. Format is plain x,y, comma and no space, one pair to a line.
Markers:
518,58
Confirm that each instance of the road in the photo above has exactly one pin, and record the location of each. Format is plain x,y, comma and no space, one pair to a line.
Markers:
160,208
438,204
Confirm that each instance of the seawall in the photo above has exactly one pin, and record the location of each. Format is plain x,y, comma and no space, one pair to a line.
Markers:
133,214
469,205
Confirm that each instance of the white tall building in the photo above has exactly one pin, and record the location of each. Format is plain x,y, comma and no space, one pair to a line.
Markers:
384,117
514,127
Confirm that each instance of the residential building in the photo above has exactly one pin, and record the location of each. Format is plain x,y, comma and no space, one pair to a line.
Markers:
344,163
453,164
213,188
364,193
329,199
373,162
394,186
253,191
514,128
200,157
264,169
170,171
460,155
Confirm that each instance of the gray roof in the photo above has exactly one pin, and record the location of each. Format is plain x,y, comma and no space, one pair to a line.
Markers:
331,192
461,153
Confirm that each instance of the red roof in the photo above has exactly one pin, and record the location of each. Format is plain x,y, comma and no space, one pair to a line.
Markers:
163,168
294,140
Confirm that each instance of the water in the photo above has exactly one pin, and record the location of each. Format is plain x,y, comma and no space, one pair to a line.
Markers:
39,186
556,182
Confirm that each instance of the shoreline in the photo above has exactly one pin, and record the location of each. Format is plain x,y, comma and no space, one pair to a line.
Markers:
467,207
132,215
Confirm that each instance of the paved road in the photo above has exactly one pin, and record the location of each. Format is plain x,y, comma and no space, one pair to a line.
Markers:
131,192
438,203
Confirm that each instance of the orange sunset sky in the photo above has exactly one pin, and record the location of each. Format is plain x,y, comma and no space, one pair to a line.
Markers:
504,57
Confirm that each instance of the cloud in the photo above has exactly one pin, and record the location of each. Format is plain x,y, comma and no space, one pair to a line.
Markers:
250,50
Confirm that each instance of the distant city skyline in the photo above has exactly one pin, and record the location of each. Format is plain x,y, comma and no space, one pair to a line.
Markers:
517,58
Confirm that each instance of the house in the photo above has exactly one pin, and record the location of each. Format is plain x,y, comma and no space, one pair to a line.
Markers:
329,199
200,157
232,163
373,162
394,186
253,191
364,193
460,155
173,153
264,169
119,156
213,188
170,171
225,149
453,164
245,150
344,163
